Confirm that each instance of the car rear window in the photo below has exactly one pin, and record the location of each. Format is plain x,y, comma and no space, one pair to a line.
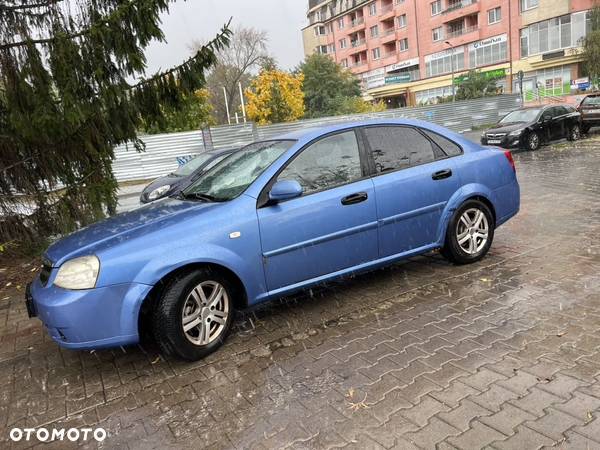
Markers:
447,146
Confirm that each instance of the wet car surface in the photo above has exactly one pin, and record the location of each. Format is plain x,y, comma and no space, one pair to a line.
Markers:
504,353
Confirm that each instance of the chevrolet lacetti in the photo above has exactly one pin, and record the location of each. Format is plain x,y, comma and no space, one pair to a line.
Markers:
275,217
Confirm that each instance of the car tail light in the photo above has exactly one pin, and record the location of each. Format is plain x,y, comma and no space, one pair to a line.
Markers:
511,161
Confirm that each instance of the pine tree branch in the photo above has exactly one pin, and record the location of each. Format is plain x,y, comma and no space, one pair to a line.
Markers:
214,44
114,16
22,6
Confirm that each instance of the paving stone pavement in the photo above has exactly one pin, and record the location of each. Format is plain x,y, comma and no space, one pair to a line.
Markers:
501,354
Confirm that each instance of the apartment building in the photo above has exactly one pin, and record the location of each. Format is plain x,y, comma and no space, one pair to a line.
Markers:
410,52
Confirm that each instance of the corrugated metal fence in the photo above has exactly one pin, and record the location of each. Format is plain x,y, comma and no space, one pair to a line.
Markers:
164,152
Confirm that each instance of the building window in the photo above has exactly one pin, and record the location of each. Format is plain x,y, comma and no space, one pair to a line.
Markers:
341,23
402,21
489,51
320,31
528,4
376,53
322,49
375,31
436,34
494,15
344,63
403,44
331,48
343,43
555,34
436,7
433,96
399,2
442,62
329,28
373,9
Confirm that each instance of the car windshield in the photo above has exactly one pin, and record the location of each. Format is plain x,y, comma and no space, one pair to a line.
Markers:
193,165
591,101
521,115
234,174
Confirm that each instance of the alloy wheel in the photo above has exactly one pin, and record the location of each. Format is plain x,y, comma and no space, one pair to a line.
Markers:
205,313
534,141
575,133
472,231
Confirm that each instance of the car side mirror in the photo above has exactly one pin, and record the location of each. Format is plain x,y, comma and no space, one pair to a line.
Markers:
285,190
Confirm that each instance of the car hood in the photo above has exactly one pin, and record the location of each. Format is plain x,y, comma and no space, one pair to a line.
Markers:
507,128
124,226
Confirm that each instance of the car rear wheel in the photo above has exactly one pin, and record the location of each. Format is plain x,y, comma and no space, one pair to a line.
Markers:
194,315
470,233
532,141
574,133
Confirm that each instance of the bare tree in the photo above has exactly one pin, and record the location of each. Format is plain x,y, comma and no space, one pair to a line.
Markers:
237,63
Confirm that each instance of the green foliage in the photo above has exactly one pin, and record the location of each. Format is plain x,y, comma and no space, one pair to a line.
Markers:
477,85
329,89
66,100
194,114
591,46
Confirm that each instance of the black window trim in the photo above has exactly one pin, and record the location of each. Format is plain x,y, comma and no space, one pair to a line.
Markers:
263,198
374,173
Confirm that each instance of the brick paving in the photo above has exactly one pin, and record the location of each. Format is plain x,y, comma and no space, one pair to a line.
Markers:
501,354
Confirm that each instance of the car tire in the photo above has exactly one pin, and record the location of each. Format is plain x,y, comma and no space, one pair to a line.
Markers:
470,233
194,314
532,141
574,133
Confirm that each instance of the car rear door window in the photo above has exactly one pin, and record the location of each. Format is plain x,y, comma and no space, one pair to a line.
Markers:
330,162
399,147
447,146
591,101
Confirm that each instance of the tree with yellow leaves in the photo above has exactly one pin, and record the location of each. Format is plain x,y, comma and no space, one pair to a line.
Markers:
275,96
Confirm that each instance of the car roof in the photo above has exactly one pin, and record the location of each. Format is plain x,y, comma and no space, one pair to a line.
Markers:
221,151
308,134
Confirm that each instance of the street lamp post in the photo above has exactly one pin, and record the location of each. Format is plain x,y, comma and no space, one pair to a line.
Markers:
452,68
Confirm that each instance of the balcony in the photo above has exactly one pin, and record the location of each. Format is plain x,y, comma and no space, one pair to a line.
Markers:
357,22
386,12
458,5
358,43
388,35
461,31
360,63
390,54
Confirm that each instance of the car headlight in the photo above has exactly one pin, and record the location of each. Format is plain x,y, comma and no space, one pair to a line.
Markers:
515,133
159,192
78,273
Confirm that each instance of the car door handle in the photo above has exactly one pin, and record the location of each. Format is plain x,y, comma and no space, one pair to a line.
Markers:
447,173
355,198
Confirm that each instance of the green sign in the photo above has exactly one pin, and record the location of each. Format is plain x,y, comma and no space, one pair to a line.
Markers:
496,73
401,78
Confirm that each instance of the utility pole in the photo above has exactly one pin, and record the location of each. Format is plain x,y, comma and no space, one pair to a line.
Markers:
227,105
242,100
452,68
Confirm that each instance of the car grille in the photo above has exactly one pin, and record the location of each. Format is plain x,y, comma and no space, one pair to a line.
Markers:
496,136
45,273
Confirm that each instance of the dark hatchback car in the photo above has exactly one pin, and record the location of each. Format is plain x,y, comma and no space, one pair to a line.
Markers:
531,127
589,108
183,176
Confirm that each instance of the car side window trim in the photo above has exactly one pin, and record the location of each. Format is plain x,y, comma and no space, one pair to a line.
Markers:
424,132
374,173
263,198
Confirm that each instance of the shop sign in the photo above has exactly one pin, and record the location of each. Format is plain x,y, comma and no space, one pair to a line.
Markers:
489,74
400,78
487,42
402,65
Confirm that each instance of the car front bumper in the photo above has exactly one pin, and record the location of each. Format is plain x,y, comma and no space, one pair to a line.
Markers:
505,142
88,319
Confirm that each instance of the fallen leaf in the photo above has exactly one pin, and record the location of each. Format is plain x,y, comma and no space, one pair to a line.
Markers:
156,360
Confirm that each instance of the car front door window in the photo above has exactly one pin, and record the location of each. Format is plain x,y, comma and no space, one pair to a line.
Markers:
330,162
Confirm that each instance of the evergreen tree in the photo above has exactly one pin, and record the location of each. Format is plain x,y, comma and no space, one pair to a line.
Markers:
67,99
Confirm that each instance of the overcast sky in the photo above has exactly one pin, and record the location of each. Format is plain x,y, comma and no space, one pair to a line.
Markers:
201,20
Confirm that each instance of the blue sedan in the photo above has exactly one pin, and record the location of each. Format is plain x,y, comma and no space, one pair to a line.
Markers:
276,217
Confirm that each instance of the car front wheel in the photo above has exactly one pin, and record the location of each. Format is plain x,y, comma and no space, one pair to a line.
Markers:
532,141
194,315
470,233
